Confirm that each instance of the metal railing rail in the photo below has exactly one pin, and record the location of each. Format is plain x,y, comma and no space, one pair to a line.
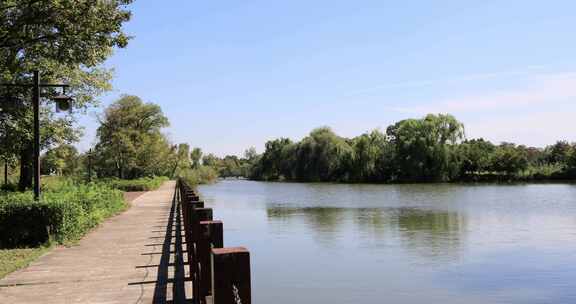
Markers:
215,271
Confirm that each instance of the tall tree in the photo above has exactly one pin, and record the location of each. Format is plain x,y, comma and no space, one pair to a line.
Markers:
130,142
66,40
196,157
274,158
321,156
369,162
425,147
181,159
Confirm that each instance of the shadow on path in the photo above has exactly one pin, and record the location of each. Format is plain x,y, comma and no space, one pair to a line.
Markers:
166,278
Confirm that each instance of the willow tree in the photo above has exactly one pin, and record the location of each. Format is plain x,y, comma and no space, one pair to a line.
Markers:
130,142
321,156
67,40
425,148
371,160
274,159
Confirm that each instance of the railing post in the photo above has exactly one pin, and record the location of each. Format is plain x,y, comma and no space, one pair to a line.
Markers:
214,230
203,214
231,276
211,236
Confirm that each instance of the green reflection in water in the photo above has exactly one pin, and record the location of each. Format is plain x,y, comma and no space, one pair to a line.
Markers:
430,233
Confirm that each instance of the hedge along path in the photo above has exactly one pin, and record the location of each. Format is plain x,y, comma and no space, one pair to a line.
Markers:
116,263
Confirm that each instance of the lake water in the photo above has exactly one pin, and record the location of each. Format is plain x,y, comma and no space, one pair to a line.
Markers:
433,243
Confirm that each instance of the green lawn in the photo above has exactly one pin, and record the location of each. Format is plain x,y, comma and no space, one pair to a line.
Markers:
14,259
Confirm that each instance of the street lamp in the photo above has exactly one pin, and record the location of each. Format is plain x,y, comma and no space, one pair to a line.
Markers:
62,103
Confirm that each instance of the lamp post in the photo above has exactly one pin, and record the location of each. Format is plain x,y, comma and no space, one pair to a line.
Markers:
61,101
5,172
90,165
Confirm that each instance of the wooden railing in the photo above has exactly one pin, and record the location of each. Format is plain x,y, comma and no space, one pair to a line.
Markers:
219,275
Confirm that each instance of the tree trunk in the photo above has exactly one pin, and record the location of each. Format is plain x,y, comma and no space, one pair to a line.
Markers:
26,168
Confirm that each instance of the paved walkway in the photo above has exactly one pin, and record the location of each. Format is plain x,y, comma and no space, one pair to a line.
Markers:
131,258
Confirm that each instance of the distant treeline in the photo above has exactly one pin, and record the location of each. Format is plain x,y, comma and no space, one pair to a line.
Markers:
433,148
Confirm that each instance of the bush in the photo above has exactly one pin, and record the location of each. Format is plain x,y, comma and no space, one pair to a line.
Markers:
140,184
202,175
65,215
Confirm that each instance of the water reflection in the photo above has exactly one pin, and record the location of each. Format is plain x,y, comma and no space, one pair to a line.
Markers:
444,243
429,233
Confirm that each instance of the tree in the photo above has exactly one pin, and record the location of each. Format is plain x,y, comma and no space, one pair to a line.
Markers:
181,159
130,142
195,157
476,155
62,160
370,161
321,156
250,154
211,160
66,40
273,159
425,148
558,153
571,162
509,159
230,166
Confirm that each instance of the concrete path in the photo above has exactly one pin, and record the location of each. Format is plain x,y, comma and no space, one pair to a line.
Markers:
135,257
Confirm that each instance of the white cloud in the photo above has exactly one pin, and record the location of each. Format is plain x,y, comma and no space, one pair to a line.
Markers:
546,89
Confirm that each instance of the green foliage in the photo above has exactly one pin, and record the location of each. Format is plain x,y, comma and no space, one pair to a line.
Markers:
200,175
196,157
64,214
371,160
62,160
475,156
140,184
67,40
432,148
424,147
508,159
271,163
130,143
322,156
182,161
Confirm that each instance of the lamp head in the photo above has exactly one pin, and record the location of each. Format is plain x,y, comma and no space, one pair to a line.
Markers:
63,103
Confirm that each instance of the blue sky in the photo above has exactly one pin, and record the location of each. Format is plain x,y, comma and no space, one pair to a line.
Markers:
234,74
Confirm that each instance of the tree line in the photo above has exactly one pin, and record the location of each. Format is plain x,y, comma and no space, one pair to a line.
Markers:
433,148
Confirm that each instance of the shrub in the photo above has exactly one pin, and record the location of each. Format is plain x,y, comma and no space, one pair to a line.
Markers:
65,215
202,175
140,184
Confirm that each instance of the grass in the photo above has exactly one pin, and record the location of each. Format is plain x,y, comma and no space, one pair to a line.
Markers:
14,259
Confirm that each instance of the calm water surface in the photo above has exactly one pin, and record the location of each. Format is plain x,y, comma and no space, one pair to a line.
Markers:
435,243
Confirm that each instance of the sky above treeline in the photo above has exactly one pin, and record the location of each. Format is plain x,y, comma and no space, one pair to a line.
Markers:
233,74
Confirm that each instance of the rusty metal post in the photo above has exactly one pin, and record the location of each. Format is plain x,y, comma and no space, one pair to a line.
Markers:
214,230
203,214
211,236
195,244
197,204
231,276
192,197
